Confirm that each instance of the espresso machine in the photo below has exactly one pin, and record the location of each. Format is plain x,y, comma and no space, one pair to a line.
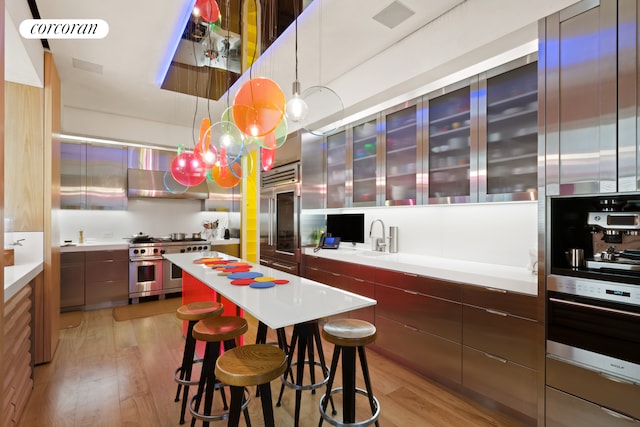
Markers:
616,242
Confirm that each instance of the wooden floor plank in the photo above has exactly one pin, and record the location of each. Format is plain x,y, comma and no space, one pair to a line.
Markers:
109,373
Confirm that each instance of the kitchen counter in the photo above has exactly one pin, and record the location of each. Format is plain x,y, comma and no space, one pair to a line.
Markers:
514,279
113,246
18,276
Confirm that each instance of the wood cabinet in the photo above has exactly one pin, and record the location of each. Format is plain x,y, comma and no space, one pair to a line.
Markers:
17,358
499,347
480,339
106,278
71,280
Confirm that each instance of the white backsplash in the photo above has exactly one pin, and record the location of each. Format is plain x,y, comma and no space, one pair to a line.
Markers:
30,249
156,217
495,233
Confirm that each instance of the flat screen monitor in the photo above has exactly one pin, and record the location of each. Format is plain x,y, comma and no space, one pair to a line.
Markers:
349,227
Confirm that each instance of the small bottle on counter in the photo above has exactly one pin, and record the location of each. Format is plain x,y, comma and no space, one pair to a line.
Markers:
81,237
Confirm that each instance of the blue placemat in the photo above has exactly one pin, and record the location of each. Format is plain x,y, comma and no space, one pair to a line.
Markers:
262,285
245,275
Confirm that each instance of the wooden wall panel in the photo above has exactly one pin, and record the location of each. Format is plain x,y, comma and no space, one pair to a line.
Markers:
2,373
52,130
16,365
23,198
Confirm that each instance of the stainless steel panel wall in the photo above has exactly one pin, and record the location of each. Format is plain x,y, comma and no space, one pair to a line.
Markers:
73,176
313,172
106,177
580,49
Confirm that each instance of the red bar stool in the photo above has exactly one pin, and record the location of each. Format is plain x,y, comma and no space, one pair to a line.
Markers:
349,335
192,313
219,333
249,365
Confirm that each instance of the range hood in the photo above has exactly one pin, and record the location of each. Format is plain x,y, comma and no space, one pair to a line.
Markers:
151,183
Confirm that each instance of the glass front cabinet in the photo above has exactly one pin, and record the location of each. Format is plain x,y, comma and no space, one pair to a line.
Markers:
508,137
473,141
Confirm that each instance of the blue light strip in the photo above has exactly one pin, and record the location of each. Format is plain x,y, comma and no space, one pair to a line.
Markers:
176,35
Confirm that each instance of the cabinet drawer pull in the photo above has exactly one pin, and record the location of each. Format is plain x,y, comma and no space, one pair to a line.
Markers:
616,414
410,292
358,280
499,359
335,274
502,291
265,262
411,328
409,274
499,313
616,379
288,267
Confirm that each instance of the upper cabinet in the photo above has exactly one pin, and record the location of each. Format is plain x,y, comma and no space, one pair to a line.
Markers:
473,141
93,177
364,165
402,155
578,62
450,121
508,137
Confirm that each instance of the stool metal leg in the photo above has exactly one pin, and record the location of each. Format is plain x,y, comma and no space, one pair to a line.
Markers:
349,384
332,376
267,404
237,395
186,369
367,380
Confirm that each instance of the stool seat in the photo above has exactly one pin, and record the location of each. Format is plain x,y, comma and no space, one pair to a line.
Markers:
199,310
252,364
349,332
218,329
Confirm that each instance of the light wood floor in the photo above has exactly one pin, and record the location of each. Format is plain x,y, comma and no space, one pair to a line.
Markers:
109,373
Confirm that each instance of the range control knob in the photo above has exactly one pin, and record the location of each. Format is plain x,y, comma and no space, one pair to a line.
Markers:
142,251
155,250
188,248
162,251
182,251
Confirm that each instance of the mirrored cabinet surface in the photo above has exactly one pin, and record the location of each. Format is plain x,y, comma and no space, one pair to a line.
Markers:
336,169
449,123
511,137
401,137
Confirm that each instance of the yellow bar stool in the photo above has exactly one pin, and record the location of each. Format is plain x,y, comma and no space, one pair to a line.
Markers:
193,313
219,333
249,365
349,335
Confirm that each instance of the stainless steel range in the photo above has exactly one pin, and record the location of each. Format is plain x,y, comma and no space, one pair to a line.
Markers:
149,273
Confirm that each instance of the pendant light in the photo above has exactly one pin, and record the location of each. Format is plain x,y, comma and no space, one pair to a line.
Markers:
296,108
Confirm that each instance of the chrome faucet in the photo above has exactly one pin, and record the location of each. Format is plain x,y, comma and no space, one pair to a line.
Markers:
377,244
17,242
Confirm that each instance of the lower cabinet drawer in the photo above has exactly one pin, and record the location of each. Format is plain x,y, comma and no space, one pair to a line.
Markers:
565,410
508,383
431,355
105,293
607,391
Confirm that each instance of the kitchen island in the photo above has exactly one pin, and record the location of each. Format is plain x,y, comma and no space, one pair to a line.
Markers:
300,300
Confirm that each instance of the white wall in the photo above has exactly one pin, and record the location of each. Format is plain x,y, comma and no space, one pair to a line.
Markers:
156,217
496,233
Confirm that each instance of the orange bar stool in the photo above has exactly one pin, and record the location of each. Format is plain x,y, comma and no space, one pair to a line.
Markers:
349,335
306,336
192,313
249,365
219,333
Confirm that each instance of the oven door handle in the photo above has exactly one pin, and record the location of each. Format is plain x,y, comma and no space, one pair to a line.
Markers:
595,307
146,259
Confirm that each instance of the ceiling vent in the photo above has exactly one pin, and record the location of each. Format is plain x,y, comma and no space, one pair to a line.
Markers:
87,66
393,15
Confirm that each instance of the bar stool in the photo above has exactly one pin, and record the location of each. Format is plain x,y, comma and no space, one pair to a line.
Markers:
248,365
348,335
306,336
214,331
192,313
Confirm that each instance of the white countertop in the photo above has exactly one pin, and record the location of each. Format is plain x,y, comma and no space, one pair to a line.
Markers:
113,246
300,300
515,279
18,276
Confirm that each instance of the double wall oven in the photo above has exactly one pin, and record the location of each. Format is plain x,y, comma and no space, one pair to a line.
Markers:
149,273
593,309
